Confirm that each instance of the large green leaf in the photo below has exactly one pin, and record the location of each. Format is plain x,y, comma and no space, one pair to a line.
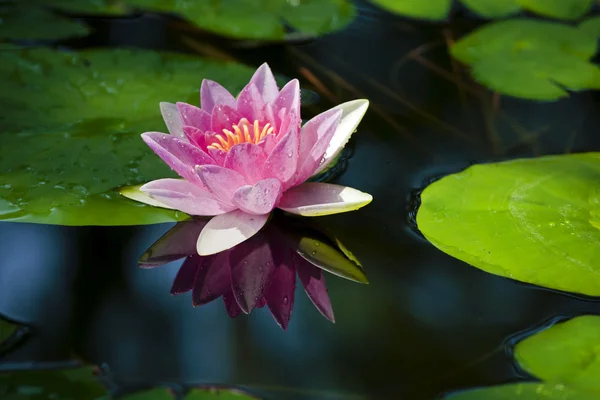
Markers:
591,26
18,21
533,220
523,391
432,9
71,124
218,393
67,384
530,59
562,9
256,19
566,353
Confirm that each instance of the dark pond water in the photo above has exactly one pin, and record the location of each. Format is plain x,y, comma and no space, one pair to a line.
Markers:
426,325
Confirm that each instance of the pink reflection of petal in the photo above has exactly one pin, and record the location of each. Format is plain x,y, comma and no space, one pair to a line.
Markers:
224,117
261,302
177,243
222,182
194,116
250,104
214,279
320,129
212,93
184,281
260,198
280,290
185,196
180,155
251,268
231,305
313,280
265,82
247,159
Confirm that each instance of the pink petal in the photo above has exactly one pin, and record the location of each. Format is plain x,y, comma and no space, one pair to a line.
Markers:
265,82
313,280
224,117
194,116
212,94
283,160
228,230
251,268
195,136
178,242
231,305
268,143
222,182
289,97
248,159
213,280
260,198
280,290
315,137
218,155
180,155
185,196
250,103
172,119
184,281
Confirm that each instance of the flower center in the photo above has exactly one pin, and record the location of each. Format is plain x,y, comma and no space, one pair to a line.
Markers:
242,132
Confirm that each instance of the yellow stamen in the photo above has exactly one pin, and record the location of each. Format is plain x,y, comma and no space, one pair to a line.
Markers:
242,132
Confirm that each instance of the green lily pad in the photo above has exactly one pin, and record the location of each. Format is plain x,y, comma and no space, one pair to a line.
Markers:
432,9
566,353
18,21
245,19
561,9
523,391
67,384
591,26
534,220
530,59
493,8
151,394
71,125
217,393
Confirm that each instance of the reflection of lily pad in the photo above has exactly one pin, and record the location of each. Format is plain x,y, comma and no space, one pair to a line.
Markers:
6,330
256,19
530,59
70,384
18,21
566,353
533,220
71,124
523,391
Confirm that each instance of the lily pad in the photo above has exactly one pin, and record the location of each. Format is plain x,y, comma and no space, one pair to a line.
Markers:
591,26
530,59
566,353
245,19
151,394
23,22
217,393
433,9
560,9
534,220
493,8
67,384
523,391
71,125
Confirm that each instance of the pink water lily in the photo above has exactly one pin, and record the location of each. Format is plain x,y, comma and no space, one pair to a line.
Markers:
241,158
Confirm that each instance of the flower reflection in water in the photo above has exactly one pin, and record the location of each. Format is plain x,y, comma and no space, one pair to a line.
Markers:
260,271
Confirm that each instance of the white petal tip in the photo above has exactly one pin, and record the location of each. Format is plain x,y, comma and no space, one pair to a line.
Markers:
317,199
135,193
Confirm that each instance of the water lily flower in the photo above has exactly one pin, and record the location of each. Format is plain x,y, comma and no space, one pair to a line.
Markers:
260,271
241,158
